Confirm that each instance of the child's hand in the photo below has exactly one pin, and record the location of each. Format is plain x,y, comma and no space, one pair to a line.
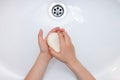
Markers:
67,52
44,51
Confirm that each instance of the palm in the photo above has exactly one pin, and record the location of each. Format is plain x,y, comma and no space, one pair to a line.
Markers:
43,45
43,42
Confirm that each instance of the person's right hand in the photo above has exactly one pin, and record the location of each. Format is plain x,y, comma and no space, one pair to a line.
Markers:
67,52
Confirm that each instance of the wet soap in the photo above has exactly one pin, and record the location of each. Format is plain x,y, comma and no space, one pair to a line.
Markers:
53,41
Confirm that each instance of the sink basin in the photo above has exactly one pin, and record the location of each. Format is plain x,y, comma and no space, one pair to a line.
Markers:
93,25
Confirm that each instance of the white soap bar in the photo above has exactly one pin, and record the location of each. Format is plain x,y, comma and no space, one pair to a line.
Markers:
53,41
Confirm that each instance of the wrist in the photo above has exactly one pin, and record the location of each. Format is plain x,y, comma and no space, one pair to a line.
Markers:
44,57
72,62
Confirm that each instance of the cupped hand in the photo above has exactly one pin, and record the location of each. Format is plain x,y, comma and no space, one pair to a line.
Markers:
44,49
67,52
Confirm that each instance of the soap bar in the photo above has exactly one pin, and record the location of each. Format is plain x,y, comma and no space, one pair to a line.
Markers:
53,41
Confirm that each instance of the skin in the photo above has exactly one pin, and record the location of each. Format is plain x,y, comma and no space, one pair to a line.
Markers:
66,55
38,69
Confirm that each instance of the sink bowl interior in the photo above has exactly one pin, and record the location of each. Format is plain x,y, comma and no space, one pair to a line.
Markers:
94,27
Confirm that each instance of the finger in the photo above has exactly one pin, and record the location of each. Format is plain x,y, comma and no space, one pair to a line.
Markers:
40,35
61,40
55,29
67,38
58,29
54,53
62,29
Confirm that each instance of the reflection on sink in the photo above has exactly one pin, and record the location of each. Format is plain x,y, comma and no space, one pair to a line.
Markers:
94,27
7,72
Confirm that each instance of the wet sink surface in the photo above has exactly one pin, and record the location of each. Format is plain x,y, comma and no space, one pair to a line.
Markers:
94,27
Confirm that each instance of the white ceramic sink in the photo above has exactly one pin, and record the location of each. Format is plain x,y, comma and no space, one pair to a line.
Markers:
94,26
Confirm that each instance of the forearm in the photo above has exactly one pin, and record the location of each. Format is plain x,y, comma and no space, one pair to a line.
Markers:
38,69
80,71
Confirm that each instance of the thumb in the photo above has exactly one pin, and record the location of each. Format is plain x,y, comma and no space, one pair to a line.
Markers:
40,36
54,53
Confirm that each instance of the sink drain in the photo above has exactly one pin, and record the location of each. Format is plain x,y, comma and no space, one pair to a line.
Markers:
57,10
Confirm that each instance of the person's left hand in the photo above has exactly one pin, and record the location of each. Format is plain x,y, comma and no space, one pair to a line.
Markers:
44,49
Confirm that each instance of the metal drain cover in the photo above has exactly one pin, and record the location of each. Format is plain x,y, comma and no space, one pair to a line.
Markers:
57,10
